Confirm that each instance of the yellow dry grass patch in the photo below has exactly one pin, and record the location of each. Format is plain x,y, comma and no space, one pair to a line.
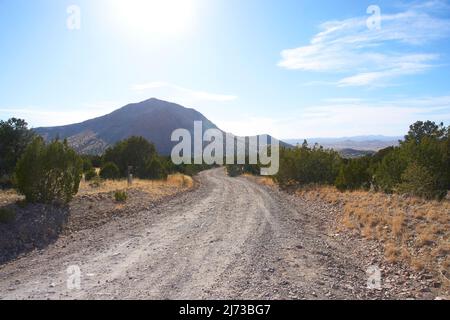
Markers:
180,180
172,184
412,230
9,196
267,181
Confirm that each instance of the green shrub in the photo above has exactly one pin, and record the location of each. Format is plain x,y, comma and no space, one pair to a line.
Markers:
304,165
154,169
135,152
120,196
90,174
254,169
418,181
48,173
193,169
14,139
7,215
6,181
389,172
354,175
234,170
110,171
91,161
87,165
446,159
96,182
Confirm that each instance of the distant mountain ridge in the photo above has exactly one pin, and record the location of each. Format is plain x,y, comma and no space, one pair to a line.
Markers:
152,119
363,143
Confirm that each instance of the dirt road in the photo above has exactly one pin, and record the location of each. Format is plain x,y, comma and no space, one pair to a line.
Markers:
230,238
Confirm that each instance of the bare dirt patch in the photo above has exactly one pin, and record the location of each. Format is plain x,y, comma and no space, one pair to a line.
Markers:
35,226
95,205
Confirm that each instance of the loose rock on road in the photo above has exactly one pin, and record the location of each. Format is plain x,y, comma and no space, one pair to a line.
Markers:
231,238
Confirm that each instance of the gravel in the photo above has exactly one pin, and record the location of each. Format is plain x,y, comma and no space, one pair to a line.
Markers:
230,238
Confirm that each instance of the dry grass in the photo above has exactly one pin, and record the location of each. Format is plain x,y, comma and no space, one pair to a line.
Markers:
267,181
412,230
9,196
391,251
173,183
180,180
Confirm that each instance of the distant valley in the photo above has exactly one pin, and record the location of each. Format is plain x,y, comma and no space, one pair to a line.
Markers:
357,143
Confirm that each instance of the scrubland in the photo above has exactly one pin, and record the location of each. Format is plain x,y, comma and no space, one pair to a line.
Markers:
412,231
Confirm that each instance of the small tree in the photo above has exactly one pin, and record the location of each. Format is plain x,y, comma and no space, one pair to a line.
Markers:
14,138
304,165
418,181
389,171
354,175
120,196
234,170
135,152
110,171
87,165
90,174
154,170
48,173
428,129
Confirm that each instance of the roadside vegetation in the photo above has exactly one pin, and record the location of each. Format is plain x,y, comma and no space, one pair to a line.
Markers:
419,167
120,196
159,188
14,139
412,230
398,196
52,173
48,173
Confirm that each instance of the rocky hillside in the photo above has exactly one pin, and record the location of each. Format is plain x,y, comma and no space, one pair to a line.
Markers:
152,119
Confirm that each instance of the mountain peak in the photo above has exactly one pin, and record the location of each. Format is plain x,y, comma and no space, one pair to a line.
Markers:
153,119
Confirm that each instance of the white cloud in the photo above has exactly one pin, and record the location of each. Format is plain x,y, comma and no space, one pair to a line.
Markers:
367,56
346,117
389,118
393,67
177,92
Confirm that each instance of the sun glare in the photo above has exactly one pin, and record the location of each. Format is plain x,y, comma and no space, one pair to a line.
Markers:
154,17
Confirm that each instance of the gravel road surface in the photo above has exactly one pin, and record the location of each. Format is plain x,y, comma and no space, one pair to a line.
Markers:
231,238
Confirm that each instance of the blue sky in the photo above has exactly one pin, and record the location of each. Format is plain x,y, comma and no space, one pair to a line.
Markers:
292,69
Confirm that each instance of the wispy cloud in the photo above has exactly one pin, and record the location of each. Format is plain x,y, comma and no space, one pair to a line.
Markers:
347,117
176,90
392,67
371,56
389,117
